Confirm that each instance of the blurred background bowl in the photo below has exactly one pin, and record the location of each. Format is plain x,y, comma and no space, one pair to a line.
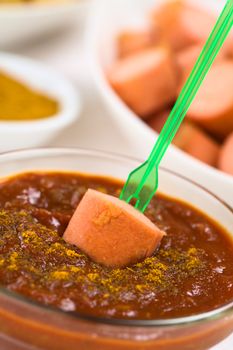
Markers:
101,49
23,134
20,23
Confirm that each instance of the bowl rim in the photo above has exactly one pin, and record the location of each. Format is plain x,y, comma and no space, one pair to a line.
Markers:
69,104
215,314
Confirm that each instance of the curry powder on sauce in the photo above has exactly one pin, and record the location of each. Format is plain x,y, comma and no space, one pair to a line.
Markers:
192,272
20,102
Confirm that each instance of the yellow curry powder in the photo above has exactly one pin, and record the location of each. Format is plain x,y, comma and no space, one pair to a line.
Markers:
157,272
20,102
13,259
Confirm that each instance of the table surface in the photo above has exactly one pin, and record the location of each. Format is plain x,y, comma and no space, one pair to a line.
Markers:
64,51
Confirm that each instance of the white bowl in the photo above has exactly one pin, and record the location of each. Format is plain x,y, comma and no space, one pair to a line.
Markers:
15,135
116,15
22,22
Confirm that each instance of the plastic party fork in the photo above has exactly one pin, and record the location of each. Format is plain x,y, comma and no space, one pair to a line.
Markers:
142,182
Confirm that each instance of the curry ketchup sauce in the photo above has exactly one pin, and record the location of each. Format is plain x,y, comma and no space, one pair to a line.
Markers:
190,274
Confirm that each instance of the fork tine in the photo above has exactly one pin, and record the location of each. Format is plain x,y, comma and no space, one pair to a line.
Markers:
147,191
139,187
132,183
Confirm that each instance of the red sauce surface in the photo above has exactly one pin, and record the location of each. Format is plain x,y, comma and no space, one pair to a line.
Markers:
191,273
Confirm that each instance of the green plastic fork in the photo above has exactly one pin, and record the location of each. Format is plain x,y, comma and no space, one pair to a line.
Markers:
142,182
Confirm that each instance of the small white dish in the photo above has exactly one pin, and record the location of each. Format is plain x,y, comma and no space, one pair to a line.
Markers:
115,16
23,134
20,23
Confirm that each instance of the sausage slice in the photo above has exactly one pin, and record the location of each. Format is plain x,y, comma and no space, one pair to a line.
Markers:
182,24
212,108
111,232
157,121
146,81
187,58
197,143
133,41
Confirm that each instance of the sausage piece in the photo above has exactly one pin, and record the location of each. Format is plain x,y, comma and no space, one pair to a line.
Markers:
187,58
197,143
212,107
133,41
190,139
182,24
146,81
111,232
157,121
225,162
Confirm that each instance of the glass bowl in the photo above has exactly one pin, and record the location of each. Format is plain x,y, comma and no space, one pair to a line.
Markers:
28,325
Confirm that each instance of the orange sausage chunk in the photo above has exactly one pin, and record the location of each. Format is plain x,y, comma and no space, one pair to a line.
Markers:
182,25
130,42
146,81
187,58
212,108
111,232
190,139
226,156
157,121
197,143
